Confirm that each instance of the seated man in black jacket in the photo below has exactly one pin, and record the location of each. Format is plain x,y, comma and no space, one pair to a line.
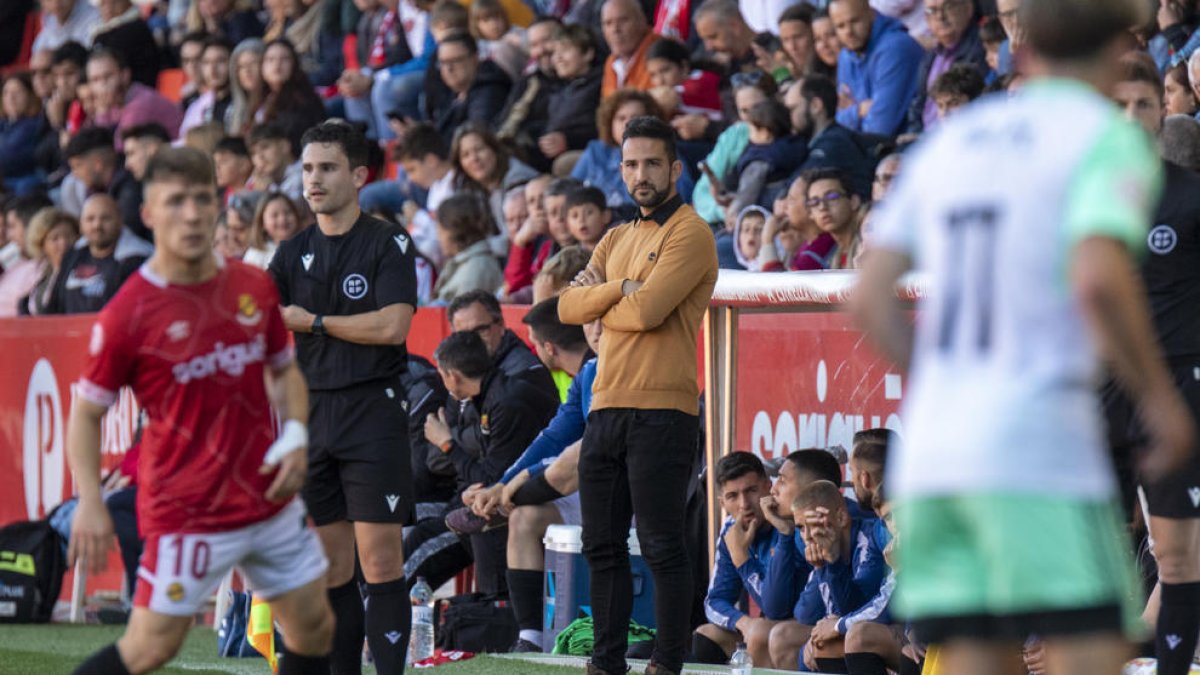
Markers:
813,104
512,412
461,88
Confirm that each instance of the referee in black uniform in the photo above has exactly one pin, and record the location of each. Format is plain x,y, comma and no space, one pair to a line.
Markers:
349,290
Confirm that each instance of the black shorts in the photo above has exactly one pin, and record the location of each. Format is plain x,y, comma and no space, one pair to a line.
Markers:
359,467
1017,627
1178,495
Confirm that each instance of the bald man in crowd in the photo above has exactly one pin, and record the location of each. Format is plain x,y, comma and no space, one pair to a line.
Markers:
108,253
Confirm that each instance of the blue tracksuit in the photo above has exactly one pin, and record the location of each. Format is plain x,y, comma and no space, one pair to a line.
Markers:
877,609
886,74
727,582
566,427
847,585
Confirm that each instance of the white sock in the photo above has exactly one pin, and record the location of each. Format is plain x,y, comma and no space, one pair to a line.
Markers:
534,636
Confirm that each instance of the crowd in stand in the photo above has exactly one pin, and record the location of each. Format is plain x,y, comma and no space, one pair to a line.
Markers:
498,126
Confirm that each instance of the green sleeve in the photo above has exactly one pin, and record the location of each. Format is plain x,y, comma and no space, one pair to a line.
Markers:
1116,188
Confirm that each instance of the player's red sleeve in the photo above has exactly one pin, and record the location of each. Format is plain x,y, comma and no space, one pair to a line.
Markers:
279,343
110,360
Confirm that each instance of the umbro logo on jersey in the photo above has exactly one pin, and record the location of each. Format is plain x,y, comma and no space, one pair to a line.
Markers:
401,241
1173,641
306,259
392,501
1194,493
1162,239
179,330
392,636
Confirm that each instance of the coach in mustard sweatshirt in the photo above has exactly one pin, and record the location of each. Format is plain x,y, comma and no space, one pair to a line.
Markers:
650,281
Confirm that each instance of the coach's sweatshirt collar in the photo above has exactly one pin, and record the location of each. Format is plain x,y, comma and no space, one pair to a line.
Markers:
663,213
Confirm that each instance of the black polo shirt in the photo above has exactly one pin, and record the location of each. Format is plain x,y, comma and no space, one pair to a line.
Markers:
368,268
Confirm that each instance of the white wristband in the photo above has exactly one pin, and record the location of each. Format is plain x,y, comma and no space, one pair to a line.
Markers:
293,438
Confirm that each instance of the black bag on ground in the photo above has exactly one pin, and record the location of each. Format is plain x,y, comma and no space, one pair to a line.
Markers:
32,565
475,622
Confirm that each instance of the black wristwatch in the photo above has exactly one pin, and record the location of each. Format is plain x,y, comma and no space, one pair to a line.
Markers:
318,325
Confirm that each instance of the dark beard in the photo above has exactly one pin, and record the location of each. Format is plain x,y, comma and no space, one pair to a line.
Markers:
656,198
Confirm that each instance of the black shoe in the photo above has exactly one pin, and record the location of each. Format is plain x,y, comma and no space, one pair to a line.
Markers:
524,646
462,521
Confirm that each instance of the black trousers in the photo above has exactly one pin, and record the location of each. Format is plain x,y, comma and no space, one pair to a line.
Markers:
637,463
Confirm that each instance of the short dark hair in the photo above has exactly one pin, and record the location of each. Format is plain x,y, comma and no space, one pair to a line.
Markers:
822,89
652,127
194,36
817,463
1067,30
560,187
827,173
465,300
148,130
991,31
580,36
818,493
27,206
669,49
588,194
1139,67
217,41
70,51
771,115
422,140
449,11
188,164
464,352
99,52
265,131
336,132
465,217
800,11
462,37
543,318
234,145
964,79
871,450
736,465
89,140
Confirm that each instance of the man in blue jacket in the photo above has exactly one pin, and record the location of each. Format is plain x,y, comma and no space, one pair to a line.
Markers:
744,552
878,68
848,565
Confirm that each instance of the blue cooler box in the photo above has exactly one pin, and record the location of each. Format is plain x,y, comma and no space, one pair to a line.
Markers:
567,585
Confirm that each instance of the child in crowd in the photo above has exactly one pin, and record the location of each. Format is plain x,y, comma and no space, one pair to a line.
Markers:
770,157
678,89
746,238
425,158
498,39
588,216
558,272
233,167
956,87
275,167
555,200
992,35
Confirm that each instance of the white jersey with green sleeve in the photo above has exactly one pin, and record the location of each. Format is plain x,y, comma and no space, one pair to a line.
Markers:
1002,396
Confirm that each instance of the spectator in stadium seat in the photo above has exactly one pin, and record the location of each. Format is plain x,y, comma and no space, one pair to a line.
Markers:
813,103
67,67
190,48
878,68
531,246
558,272
729,41
93,164
628,36
275,164
745,239
461,88
571,121
748,91
555,201
122,102
246,86
955,88
826,46
955,28
239,221
885,175
1179,97
231,20
848,567
538,489
141,143
92,274
212,104
745,547
22,127
66,21
794,242
123,30
40,63
231,160
385,40
499,39
677,87
835,207
290,101
991,34
588,216
425,157
796,40
770,157
463,225
511,413
483,166
523,120
22,273
276,219
50,235
1009,13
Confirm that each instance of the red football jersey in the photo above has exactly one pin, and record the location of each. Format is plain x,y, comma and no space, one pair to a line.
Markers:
194,356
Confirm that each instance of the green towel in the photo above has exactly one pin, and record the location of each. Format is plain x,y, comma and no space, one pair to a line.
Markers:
578,638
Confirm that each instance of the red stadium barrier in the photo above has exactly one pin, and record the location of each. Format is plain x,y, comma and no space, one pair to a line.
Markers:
789,372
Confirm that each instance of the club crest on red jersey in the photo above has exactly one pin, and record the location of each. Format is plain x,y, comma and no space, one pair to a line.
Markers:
247,312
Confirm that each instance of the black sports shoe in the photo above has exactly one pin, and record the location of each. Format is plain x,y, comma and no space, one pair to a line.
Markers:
524,646
463,521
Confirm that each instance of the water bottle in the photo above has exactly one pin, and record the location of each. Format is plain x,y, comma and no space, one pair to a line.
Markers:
740,664
420,645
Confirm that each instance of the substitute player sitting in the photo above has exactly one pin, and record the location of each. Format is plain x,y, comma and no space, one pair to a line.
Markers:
202,343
